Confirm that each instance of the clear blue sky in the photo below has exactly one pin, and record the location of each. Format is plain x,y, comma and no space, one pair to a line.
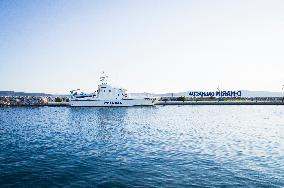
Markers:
149,45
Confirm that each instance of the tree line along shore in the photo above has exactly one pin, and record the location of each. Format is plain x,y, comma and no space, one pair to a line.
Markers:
182,100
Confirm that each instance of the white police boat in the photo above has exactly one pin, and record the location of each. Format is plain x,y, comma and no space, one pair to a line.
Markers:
108,96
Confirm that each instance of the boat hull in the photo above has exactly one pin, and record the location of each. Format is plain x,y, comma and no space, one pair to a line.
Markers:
112,103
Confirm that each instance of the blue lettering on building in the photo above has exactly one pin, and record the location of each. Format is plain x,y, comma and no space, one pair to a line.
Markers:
215,94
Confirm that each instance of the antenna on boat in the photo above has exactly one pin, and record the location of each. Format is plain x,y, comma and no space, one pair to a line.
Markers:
104,78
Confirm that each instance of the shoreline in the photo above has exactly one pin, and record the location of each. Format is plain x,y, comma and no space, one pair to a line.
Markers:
33,101
163,103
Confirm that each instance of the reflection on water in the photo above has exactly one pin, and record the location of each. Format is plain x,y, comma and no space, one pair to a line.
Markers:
98,124
164,146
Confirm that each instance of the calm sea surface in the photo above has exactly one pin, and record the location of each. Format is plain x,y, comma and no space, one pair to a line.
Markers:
163,146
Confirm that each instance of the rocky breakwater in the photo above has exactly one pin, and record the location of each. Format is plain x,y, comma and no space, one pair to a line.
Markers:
23,100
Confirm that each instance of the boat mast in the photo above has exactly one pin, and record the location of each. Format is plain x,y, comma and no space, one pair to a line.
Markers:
104,79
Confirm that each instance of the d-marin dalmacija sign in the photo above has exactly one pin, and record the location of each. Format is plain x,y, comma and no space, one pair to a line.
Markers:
215,93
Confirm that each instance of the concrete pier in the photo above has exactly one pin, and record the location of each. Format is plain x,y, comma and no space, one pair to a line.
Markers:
57,104
220,103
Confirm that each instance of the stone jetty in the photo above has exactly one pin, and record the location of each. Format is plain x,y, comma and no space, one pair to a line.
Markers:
24,100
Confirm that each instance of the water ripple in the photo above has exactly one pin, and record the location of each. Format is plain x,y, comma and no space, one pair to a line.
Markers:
165,146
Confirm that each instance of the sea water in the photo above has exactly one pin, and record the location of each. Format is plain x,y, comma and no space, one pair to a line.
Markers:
162,146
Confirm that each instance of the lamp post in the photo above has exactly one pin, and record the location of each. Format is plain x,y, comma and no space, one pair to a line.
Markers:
283,95
218,91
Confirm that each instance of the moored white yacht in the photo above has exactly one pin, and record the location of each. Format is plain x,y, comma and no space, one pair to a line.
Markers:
108,96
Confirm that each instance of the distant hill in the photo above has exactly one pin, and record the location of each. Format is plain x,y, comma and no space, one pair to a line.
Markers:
245,93
13,93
